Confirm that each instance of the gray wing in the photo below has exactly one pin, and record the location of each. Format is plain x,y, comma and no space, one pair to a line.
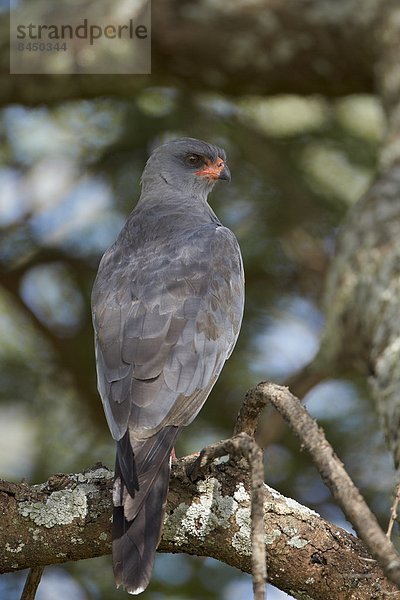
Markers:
164,326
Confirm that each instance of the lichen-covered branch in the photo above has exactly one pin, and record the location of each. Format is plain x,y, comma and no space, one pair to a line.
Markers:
245,445
68,518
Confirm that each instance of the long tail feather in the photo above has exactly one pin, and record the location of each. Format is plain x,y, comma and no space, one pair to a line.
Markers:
140,492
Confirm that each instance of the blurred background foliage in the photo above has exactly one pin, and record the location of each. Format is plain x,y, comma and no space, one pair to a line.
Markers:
69,176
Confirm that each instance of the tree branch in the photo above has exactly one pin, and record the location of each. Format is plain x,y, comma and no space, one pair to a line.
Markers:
262,47
245,445
32,583
331,470
68,518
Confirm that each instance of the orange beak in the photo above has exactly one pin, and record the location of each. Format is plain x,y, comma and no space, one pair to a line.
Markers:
217,170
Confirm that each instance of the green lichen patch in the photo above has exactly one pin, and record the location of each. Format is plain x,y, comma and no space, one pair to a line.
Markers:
199,519
60,508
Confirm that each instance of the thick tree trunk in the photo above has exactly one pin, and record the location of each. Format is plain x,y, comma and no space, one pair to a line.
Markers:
363,291
68,518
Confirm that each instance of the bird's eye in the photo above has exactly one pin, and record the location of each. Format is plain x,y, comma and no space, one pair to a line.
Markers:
194,160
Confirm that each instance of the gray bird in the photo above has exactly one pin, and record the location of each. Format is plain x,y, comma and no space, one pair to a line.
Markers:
167,306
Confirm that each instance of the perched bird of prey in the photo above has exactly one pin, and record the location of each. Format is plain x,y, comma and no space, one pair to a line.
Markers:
167,306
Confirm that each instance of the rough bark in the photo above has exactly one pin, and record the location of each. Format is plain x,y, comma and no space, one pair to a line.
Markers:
363,291
261,47
68,518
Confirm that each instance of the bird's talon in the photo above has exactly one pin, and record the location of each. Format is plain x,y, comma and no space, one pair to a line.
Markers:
196,470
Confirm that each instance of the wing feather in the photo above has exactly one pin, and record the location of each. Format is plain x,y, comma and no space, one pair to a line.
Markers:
165,328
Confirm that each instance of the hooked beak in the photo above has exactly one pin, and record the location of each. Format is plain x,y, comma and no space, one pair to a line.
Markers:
217,170
225,174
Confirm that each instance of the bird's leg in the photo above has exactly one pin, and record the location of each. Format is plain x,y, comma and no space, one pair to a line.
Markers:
173,455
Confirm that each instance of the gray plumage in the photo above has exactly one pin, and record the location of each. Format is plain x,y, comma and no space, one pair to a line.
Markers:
167,307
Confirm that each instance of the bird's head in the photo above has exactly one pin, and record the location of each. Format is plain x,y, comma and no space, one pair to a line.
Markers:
188,165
